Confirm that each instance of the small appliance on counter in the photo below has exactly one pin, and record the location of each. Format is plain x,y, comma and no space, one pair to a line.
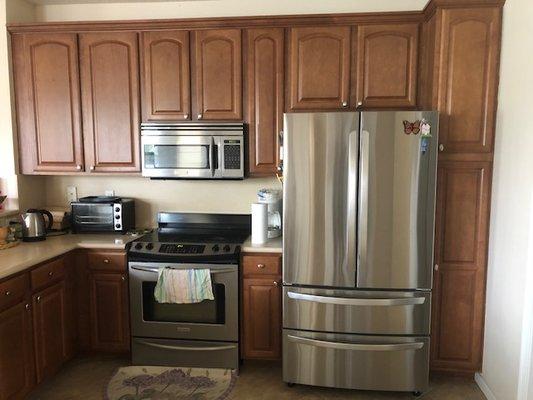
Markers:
34,226
103,214
273,198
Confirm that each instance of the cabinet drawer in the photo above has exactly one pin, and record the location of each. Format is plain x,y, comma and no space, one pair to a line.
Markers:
262,265
107,261
12,290
48,273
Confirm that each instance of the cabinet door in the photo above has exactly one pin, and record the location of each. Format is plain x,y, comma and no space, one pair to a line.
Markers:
49,316
319,68
460,254
469,56
262,318
110,98
109,313
17,364
166,75
387,65
47,92
264,76
218,74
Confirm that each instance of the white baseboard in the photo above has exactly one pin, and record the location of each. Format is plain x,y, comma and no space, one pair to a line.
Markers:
484,387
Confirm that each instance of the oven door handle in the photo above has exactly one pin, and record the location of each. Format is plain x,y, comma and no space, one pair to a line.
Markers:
186,348
212,271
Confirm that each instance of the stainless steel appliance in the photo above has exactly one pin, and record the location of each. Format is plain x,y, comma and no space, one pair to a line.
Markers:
34,227
193,150
359,204
204,334
103,214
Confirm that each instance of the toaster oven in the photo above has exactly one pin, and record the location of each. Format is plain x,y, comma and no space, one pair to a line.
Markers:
103,214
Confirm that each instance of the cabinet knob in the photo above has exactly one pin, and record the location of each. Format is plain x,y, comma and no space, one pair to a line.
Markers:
260,266
185,116
91,167
359,103
51,273
78,167
276,283
38,299
8,293
106,260
123,278
441,147
200,116
436,267
345,104
27,306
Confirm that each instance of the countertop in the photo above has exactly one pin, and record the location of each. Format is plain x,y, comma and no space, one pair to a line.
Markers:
274,245
27,254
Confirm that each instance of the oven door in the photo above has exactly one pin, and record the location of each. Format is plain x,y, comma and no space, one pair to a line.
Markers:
178,156
208,320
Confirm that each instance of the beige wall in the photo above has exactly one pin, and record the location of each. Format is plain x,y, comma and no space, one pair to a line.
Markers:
214,8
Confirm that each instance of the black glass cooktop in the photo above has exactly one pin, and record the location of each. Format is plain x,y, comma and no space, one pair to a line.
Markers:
194,236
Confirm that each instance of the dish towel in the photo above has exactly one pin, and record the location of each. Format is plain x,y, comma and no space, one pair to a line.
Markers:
183,286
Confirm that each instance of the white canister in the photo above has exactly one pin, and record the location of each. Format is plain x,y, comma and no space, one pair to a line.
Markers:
259,223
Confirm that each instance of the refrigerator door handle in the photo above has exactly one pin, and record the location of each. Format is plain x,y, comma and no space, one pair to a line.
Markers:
363,199
350,301
357,346
351,224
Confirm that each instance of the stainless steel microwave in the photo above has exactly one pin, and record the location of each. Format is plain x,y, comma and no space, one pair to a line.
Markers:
193,150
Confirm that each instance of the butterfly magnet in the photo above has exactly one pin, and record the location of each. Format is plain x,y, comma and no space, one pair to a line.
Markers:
417,127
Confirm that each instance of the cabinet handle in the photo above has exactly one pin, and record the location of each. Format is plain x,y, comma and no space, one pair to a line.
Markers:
185,116
441,147
200,116
38,299
436,267
276,283
8,293
51,273
78,167
345,104
27,306
106,261
123,278
260,266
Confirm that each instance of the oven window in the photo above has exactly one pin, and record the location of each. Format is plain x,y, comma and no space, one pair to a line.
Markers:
205,312
158,156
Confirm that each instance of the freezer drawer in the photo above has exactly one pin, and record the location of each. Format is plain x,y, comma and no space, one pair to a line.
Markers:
357,311
184,353
356,362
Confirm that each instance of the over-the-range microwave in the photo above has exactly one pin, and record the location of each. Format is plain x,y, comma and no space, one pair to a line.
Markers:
193,150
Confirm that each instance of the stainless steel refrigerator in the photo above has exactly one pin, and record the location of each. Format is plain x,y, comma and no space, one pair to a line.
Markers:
359,206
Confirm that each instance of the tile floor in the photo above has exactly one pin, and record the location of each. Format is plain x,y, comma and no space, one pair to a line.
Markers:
85,378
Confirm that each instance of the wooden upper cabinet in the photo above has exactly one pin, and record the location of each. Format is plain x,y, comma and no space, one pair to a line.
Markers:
110,101
319,68
218,74
45,67
166,75
17,362
387,65
469,60
264,77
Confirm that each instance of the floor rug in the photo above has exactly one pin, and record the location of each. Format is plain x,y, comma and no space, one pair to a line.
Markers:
170,383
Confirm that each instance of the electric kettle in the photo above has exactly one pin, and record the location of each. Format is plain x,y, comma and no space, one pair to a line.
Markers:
34,227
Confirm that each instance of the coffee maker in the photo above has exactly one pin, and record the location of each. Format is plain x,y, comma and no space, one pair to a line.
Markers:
274,200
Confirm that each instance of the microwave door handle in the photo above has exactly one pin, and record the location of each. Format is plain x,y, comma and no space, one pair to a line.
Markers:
212,156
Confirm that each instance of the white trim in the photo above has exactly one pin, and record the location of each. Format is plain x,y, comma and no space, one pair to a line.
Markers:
484,387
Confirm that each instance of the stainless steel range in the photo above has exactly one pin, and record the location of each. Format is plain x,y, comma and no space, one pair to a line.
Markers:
204,334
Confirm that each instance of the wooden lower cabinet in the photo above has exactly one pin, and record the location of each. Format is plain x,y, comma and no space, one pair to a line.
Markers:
109,312
17,366
261,310
50,336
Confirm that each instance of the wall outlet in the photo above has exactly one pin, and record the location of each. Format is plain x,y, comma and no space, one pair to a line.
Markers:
72,194
109,192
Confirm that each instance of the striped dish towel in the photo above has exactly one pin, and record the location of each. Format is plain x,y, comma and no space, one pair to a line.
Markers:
183,286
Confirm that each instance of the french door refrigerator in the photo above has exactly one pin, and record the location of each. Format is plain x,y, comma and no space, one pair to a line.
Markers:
359,206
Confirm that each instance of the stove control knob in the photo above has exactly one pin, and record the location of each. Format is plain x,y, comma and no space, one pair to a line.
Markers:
149,246
226,248
138,246
215,248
